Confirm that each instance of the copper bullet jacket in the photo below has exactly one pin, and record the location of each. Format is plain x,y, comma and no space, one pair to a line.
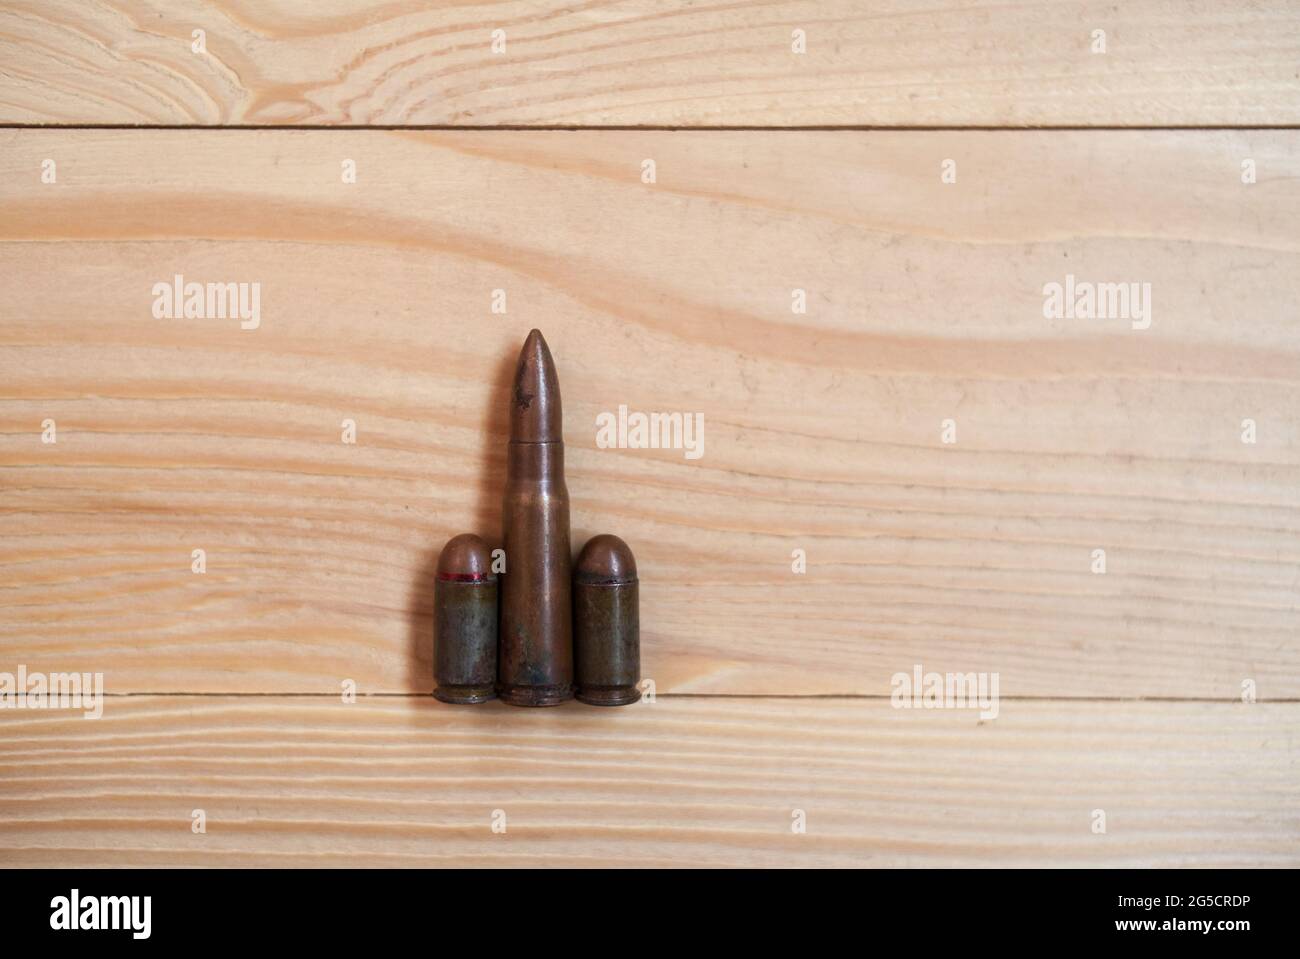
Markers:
535,663
606,623
465,622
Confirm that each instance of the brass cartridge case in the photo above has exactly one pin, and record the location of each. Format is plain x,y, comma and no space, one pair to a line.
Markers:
465,622
606,623
536,644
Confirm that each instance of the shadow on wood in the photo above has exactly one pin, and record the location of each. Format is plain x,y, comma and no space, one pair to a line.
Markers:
486,522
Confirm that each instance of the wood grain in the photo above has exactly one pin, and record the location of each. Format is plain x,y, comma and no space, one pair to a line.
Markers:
407,781
822,430
902,62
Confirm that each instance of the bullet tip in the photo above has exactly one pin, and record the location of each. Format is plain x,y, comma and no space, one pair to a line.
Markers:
465,557
605,559
535,395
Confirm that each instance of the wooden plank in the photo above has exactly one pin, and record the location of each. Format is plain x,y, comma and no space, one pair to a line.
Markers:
823,430
407,781
636,62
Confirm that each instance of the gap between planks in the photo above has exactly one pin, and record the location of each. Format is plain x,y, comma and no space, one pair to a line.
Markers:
725,696
653,128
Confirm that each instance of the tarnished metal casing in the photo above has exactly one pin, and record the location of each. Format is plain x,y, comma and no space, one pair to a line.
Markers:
536,653
606,623
465,622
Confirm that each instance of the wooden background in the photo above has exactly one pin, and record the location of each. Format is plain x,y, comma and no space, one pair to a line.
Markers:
1119,691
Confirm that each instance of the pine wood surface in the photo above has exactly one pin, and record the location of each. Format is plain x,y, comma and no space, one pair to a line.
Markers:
823,431
407,781
896,63
1121,692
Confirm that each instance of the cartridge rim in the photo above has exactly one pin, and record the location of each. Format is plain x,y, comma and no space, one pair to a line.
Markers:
519,695
465,695
608,695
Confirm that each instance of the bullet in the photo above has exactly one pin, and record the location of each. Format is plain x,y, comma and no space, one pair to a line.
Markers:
606,623
465,622
536,651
